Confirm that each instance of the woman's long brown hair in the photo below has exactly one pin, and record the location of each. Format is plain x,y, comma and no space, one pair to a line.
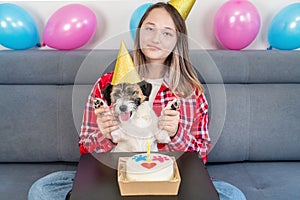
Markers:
182,78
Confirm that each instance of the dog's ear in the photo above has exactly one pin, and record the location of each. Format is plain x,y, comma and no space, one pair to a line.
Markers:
146,88
106,93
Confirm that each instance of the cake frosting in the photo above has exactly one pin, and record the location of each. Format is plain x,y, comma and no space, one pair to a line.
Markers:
159,167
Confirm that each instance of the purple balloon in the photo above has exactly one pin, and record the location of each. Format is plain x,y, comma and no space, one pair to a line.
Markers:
70,27
236,24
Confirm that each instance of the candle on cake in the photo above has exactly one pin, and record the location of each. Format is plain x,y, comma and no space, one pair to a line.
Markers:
148,151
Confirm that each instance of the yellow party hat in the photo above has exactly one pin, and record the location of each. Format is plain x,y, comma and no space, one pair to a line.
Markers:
182,6
125,71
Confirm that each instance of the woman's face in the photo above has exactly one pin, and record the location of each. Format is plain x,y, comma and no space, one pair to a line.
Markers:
158,35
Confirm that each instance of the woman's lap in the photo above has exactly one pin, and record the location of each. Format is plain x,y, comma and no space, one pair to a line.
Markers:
57,185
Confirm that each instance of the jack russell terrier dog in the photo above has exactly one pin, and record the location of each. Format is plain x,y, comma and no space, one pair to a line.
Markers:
138,121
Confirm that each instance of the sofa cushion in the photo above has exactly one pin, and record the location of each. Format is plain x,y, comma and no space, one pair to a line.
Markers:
36,124
261,180
252,66
261,123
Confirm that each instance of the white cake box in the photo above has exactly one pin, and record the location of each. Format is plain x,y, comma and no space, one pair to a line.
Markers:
134,188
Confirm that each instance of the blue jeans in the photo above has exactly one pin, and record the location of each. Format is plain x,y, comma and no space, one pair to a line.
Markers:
56,186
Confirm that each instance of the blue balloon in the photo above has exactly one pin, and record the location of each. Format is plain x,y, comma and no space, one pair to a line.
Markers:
18,30
136,18
284,31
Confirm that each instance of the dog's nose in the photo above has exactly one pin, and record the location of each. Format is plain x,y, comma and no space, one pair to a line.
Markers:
123,108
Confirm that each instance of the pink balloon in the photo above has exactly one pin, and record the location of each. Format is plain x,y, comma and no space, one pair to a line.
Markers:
236,24
70,27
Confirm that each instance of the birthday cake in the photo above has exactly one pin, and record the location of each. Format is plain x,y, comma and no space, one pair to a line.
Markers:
149,167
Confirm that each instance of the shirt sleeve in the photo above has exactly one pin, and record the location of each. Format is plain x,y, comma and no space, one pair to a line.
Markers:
90,138
192,134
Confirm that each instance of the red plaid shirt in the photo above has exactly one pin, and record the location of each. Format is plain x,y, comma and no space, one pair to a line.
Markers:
192,134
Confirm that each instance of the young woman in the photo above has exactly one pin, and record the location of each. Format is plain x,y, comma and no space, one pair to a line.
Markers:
160,55
161,58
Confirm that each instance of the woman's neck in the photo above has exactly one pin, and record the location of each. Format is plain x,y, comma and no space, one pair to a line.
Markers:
155,71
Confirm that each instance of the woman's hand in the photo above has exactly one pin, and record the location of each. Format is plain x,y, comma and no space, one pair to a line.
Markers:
169,121
106,121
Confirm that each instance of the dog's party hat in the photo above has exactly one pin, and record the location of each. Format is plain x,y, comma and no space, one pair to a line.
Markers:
125,71
182,6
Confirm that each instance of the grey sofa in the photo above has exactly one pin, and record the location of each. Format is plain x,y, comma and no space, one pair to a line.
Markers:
254,108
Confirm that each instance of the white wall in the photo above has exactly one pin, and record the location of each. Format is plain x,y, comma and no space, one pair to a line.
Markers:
114,17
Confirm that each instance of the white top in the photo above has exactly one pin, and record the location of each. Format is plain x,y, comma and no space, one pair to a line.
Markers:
156,84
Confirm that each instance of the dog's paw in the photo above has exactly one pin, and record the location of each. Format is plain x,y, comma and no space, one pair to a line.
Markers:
98,103
173,105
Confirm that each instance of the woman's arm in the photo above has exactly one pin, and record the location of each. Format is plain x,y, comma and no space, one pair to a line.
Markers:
192,133
91,139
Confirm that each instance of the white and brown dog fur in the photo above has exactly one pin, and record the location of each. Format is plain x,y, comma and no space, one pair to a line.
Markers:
138,121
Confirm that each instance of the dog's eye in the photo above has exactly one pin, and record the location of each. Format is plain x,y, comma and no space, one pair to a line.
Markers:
135,92
116,95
